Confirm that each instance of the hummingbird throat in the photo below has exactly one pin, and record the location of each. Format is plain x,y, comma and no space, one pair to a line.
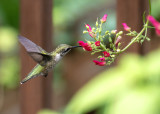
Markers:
58,57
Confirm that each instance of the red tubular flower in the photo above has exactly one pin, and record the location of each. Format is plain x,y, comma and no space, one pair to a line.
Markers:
155,23
85,46
97,43
102,63
81,43
89,29
104,18
102,59
126,28
106,54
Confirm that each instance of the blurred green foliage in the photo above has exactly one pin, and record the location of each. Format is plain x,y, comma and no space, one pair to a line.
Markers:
69,18
9,13
9,63
133,87
47,111
8,40
9,70
155,9
9,57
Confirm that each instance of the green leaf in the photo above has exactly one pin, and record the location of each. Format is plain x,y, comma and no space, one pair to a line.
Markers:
150,27
130,88
47,111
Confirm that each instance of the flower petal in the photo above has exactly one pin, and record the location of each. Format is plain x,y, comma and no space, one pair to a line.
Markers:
97,43
104,18
152,20
106,54
126,28
155,23
102,59
88,27
81,43
99,63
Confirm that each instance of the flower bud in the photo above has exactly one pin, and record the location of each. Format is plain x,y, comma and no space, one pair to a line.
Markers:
84,32
106,32
126,28
93,29
120,32
112,56
118,50
113,31
118,40
97,23
104,18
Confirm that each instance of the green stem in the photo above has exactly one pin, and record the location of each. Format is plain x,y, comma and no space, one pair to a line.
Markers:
103,47
145,26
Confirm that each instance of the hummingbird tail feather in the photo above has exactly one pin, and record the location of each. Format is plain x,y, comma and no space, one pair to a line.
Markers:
28,78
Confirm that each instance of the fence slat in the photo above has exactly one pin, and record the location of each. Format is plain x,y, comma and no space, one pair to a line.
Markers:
35,24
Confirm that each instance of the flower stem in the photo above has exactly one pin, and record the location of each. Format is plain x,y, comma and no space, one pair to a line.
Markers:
103,47
144,28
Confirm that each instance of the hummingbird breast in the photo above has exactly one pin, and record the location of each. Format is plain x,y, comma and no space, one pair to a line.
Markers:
50,64
57,57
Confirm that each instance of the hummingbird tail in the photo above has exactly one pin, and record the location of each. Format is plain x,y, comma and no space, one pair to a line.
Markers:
28,78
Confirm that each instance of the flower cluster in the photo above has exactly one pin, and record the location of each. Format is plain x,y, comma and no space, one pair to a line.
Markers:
109,51
98,46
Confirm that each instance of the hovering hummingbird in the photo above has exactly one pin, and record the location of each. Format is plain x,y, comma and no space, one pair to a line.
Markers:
46,61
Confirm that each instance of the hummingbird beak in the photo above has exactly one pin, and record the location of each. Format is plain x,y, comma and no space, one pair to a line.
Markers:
75,46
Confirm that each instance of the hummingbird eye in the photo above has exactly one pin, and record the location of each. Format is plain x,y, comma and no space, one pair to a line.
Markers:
66,50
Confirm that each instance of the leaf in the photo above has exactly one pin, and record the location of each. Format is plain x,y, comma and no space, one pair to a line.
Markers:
47,111
120,88
106,85
150,27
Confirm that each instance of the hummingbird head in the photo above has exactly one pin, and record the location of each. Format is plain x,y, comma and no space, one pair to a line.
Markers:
62,50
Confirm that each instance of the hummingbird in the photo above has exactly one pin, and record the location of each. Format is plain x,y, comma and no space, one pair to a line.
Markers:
45,61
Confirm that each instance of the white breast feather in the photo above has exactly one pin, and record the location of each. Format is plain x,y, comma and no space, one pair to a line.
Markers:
57,57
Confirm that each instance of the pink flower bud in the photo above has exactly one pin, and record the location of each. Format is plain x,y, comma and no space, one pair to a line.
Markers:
89,29
118,40
104,18
102,59
126,28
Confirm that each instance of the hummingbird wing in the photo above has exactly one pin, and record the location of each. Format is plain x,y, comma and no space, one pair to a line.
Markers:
37,71
36,52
